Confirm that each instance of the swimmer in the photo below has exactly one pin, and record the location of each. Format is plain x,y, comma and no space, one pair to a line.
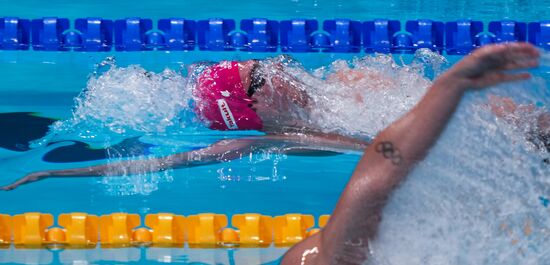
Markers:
397,149
247,95
242,96
261,95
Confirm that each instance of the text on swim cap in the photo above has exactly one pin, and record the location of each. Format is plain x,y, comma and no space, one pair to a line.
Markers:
227,115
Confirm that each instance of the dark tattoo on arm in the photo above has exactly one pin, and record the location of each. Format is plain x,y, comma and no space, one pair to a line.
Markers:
387,149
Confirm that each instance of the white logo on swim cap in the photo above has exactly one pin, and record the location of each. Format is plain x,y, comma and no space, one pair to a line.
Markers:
225,93
227,115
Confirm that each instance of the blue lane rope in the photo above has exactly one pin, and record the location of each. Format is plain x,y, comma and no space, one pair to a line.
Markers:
264,35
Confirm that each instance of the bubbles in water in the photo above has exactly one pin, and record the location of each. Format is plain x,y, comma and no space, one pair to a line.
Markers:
128,99
260,166
432,61
144,182
476,199
120,102
358,97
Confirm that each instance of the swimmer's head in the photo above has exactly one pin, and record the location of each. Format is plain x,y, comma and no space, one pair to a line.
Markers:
221,100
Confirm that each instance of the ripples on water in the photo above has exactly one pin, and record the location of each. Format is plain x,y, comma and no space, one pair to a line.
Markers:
485,10
121,102
476,199
479,196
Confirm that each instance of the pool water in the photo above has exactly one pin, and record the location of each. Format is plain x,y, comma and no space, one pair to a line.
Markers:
484,10
40,88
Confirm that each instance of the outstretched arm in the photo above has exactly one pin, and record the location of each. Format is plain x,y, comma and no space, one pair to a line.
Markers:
221,151
395,151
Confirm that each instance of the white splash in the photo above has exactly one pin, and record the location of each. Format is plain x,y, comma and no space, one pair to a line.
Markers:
120,102
129,99
143,183
362,96
476,199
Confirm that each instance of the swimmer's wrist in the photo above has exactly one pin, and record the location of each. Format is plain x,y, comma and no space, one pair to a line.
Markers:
452,82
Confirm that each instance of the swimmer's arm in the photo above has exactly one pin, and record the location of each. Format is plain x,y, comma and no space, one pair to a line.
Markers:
395,151
221,151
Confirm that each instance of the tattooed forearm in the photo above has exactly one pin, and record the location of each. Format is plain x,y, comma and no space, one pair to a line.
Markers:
389,151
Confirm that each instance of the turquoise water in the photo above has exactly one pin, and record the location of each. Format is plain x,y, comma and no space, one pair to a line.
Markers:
321,9
47,83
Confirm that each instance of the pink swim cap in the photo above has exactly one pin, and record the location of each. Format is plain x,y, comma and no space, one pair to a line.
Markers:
221,99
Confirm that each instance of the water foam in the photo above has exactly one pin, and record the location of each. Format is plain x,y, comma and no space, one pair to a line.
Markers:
131,98
121,102
476,199
362,96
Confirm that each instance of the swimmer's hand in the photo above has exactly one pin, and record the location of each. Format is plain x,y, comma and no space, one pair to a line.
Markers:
488,65
32,177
